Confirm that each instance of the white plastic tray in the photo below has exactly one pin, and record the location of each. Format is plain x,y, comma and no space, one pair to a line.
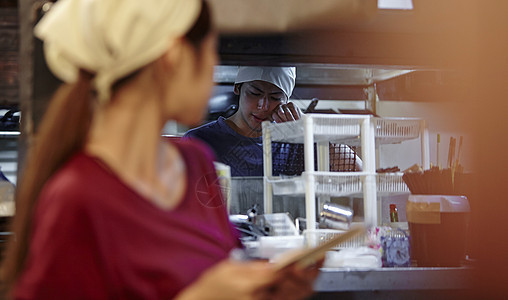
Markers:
346,129
339,184
319,236
396,130
390,183
280,223
332,128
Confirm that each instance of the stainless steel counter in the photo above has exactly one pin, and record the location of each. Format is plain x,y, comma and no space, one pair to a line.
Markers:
333,280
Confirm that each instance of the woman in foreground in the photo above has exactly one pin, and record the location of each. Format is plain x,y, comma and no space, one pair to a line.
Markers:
106,208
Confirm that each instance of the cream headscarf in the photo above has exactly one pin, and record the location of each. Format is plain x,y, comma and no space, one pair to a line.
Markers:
111,38
282,77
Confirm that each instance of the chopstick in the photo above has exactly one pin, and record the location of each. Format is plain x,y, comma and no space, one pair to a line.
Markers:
438,141
437,180
451,152
458,152
456,162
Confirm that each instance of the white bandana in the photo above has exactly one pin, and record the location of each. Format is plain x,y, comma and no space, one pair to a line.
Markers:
282,77
111,38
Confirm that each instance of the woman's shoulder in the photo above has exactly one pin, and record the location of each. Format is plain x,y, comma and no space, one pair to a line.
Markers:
78,168
63,193
79,178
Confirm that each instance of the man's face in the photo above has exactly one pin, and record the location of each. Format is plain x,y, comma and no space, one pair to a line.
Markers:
258,100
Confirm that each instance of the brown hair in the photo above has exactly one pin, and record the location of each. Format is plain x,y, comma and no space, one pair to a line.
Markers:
62,133
201,28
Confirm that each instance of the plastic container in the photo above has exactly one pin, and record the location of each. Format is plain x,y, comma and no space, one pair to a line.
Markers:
438,227
396,249
396,130
391,183
338,128
335,216
317,237
278,224
339,184
326,183
270,247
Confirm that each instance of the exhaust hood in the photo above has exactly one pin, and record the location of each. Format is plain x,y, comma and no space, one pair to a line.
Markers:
353,44
280,16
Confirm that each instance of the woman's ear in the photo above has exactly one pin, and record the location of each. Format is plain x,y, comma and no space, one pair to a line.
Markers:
174,54
236,89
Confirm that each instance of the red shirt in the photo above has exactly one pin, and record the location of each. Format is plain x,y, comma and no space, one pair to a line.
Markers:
96,238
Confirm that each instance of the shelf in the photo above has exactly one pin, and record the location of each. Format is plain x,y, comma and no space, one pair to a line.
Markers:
338,184
323,74
333,128
389,184
318,237
365,131
346,129
396,130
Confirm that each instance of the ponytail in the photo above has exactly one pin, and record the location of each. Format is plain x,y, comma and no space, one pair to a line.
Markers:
62,132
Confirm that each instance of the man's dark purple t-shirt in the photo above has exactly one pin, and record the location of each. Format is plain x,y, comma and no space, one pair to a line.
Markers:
245,155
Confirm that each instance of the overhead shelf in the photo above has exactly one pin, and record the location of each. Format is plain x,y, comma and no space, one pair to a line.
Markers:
323,74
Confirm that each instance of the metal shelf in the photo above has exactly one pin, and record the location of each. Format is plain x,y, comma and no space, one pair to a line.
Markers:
333,280
324,74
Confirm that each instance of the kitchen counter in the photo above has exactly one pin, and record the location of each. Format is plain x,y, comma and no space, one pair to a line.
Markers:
393,283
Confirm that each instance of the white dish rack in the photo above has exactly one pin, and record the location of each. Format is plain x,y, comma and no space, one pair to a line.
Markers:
354,130
317,237
337,184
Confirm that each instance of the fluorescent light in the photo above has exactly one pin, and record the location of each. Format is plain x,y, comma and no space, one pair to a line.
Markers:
395,4
9,132
171,135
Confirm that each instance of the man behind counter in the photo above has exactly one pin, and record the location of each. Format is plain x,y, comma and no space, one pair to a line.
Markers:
263,95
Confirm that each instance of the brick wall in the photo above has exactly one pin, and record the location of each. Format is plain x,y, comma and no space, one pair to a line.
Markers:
9,50
9,82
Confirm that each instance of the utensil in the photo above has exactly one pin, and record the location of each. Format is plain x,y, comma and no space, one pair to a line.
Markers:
335,216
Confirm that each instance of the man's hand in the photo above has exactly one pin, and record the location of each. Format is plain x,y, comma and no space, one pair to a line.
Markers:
286,112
